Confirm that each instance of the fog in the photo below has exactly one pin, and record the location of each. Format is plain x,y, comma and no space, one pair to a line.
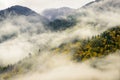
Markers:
58,67
21,40
19,37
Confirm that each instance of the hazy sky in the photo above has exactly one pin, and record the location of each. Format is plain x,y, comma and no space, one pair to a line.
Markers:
39,5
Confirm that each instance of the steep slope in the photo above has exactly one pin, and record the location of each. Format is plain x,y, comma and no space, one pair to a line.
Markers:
100,45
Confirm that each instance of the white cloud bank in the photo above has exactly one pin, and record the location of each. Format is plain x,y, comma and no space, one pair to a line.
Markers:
60,68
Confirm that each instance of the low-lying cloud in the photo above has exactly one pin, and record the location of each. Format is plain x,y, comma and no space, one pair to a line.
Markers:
33,38
59,67
35,34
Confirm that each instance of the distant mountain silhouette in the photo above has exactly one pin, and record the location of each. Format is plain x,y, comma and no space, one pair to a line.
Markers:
57,13
104,5
21,11
90,3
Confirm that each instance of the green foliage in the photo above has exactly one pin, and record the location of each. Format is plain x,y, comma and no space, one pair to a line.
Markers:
21,67
98,46
5,69
101,45
62,24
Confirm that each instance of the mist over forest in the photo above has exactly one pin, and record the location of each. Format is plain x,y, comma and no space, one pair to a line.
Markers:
61,43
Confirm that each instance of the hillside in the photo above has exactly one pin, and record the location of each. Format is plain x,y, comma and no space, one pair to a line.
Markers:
97,46
63,44
62,24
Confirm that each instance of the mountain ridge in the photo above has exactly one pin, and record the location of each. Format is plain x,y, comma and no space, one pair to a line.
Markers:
18,10
21,10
